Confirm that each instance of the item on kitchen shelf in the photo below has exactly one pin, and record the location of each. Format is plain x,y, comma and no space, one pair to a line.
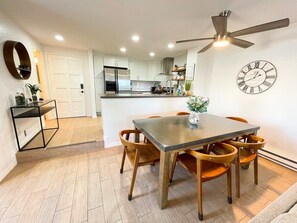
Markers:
188,86
197,104
175,68
20,99
34,89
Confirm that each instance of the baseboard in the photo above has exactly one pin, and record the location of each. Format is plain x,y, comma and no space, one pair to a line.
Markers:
291,164
6,171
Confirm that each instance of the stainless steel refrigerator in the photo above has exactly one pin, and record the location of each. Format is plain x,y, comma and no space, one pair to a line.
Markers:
116,80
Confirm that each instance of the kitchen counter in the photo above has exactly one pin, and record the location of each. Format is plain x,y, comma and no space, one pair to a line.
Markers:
119,111
139,95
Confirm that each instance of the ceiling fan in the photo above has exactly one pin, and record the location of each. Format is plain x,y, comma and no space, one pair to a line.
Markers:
223,37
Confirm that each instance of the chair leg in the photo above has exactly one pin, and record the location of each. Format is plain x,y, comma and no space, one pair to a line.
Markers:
237,175
199,190
174,160
123,160
229,185
256,170
135,166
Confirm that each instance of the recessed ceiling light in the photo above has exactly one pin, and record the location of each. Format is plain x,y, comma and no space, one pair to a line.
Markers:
123,50
135,38
59,37
152,54
170,45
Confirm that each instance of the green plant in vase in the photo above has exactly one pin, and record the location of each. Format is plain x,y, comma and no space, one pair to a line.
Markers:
34,88
197,104
188,86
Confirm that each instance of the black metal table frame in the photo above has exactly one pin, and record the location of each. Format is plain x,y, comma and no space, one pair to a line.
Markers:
35,105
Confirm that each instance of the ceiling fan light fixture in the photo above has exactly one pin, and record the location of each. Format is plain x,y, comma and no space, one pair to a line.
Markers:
221,43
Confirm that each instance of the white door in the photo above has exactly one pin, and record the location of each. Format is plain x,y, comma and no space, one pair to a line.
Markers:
66,77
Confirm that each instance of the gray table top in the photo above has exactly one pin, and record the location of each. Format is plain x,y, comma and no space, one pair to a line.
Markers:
175,132
140,95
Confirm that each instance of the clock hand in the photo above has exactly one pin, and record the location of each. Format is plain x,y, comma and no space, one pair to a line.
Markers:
256,75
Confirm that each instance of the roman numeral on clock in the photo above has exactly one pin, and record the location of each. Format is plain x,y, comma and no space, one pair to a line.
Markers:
260,89
249,67
270,77
245,88
269,70
252,90
257,64
240,84
266,83
240,78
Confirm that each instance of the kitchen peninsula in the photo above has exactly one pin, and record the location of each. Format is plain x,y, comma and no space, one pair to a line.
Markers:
118,111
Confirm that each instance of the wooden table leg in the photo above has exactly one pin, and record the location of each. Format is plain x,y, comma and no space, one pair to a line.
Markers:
165,163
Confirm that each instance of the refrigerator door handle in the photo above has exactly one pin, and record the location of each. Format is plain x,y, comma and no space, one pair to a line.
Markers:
82,88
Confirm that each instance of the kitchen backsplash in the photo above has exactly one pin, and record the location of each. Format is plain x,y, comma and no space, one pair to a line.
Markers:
143,85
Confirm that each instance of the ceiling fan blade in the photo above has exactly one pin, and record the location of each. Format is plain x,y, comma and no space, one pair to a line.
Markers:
190,40
240,42
261,28
220,24
206,48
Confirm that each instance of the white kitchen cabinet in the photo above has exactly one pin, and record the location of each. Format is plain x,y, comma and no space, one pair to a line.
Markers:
138,69
154,68
115,61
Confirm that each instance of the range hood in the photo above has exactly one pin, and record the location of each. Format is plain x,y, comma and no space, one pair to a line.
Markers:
167,65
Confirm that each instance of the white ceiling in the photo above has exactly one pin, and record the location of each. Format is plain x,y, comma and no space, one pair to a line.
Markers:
107,25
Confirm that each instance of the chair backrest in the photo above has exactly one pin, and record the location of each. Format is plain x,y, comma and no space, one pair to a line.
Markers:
125,136
182,113
252,142
227,153
238,119
154,116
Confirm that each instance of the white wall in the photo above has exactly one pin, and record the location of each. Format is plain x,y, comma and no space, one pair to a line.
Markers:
274,110
8,87
180,60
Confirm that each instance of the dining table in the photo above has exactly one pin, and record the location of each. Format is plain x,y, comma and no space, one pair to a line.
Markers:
173,134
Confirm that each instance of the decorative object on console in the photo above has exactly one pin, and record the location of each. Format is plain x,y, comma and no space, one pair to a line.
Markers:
34,89
21,70
197,104
256,77
20,99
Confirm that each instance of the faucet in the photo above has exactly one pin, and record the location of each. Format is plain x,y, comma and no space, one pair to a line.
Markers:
168,90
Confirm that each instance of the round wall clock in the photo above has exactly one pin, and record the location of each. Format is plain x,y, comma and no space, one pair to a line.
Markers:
256,77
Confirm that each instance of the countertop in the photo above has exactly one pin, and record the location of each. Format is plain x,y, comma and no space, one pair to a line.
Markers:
139,95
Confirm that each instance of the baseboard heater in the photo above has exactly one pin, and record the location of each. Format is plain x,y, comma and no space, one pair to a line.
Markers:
291,164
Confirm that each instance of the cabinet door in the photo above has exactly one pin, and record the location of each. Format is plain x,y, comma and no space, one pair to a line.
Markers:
153,70
142,70
108,61
133,70
122,62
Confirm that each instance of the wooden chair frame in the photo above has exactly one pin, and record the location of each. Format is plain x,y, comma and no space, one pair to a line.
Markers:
225,159
134,152
250,145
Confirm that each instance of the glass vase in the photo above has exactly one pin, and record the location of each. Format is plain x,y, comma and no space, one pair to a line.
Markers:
194,118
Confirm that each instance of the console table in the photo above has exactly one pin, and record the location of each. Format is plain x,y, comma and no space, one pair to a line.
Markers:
35,110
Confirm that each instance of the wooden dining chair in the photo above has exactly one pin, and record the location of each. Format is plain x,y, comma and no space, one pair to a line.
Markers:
247,152
206,167
139,153
237,119
182,113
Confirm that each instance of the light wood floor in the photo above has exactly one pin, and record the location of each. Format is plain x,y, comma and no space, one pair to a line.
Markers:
89,188
75,131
